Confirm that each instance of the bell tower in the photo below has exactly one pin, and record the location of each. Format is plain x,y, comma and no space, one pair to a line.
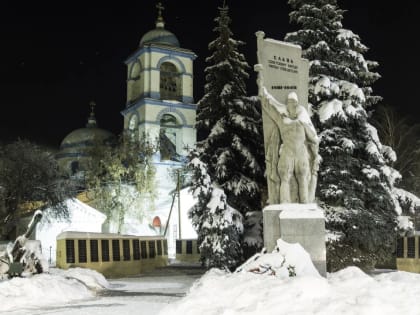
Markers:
160,101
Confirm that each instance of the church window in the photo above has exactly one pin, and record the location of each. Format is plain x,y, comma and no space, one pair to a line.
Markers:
170,82
168,137
133,82
74,166
135,71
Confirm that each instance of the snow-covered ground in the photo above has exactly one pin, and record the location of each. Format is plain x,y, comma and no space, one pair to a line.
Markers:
263,291
83,291
272,289
349,291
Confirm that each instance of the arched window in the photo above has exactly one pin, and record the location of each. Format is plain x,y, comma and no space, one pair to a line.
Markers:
170,82
74,167
168,137
133,82
135,71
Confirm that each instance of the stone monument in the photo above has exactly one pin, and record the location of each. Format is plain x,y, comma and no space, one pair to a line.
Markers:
291,150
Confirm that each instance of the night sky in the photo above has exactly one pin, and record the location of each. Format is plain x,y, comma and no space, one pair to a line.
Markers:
55,59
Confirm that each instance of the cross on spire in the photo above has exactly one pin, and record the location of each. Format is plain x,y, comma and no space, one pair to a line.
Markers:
92,105
91,120
160,8
159,21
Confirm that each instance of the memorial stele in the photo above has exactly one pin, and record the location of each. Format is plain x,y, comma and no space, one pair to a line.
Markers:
291,150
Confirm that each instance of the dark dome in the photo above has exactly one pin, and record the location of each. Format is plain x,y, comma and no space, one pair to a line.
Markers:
87,136
159,35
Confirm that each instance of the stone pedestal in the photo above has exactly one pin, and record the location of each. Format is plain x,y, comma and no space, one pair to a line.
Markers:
297,223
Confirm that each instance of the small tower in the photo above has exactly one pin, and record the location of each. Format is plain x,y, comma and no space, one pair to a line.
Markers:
160,100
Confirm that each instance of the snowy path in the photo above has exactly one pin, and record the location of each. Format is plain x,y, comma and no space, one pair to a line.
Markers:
146,294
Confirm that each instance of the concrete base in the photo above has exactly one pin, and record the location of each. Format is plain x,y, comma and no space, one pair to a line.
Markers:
297,223
271,230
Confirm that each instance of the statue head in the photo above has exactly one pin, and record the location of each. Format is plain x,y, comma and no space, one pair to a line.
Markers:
292,104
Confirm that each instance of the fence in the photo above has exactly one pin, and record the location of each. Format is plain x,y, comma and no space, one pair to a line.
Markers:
408,258
113,255
187,251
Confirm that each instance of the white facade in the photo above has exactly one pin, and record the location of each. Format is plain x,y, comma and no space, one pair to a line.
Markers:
159,87
82,218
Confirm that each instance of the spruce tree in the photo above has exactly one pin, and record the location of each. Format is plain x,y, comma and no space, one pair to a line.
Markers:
219,226
229,127
355,181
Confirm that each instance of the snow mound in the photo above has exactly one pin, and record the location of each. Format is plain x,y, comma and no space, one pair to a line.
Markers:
279,262
90,278
349,291
57,288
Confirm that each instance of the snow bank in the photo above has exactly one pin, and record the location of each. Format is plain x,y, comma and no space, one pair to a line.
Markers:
349,291
90,278
57,288
285,256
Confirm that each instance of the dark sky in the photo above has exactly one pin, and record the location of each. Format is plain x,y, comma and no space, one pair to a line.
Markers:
55,58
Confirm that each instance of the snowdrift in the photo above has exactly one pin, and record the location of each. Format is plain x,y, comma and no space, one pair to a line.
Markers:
349,291
56,288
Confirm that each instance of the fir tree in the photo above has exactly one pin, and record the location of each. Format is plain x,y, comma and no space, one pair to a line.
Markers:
229,127
355,181
219,226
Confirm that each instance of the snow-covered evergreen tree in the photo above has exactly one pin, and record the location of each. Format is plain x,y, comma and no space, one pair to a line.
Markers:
355,180
219,226
230,129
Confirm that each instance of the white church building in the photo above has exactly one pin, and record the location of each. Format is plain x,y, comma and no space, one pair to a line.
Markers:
160,105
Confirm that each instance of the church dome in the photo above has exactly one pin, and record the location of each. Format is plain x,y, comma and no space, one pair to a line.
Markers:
159,35
87,136
75,147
